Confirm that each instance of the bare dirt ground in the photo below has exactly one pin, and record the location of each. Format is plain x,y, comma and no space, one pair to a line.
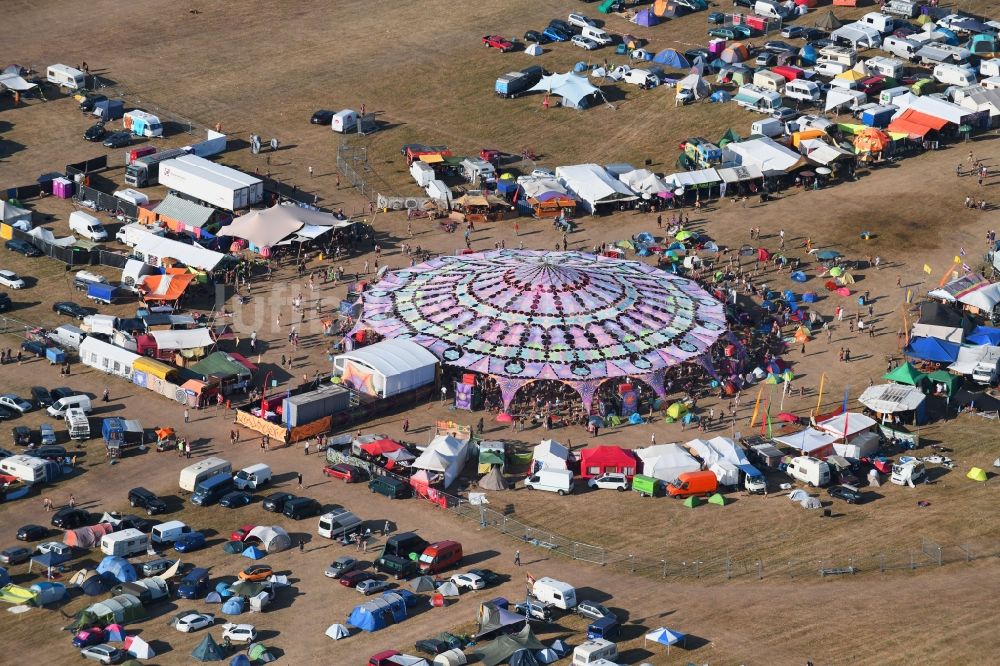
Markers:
421,68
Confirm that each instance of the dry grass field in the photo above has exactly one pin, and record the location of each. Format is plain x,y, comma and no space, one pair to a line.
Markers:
422,69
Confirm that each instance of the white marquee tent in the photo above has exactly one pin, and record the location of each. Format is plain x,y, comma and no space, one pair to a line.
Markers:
573,88
666,461
550,454
592,185
387,368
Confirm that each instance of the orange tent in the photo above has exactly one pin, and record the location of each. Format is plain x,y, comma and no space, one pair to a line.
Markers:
871,140
165,287
802,334
735,52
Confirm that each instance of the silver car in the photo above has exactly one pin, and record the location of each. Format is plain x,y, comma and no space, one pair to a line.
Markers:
340,566
106,654
156,567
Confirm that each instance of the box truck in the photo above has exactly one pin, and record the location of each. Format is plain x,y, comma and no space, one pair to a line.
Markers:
145,170
215,184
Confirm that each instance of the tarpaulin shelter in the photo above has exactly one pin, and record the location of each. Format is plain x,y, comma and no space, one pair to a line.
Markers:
273,538
165,288
500,649
547,656
493,480
452,657
892,398
828,22
493,619
905,374
117,569
942,322
916,124
380,447
983,335
607,459
523,657
208,650
265,228
575,90
933,349
87,537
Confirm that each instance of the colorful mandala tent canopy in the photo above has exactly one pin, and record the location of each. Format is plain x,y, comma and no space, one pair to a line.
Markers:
524,315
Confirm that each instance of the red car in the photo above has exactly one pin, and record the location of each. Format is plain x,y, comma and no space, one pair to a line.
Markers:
384,658
498,42
491,155
352,578
349,473
241,534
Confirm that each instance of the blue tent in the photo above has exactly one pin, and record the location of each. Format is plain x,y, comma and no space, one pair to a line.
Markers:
223,589
254,553
410,600
950,38
933,349
799,276
378,613
49,559
94,586
720,96
233,606
46,593
240,660
984,335
580,67
559,647
671,58
809,297
808,55
4,577
116,570
646,18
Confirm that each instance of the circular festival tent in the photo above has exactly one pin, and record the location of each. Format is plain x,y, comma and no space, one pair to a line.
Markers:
520,316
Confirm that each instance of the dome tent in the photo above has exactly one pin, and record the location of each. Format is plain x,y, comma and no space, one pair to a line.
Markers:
208,650
115,570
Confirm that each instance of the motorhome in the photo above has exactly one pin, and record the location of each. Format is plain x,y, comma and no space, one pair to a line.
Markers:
340,524
769,80
77,424
840,55
757,99
809,470
194,474
126,543
884,24
803,91
890,67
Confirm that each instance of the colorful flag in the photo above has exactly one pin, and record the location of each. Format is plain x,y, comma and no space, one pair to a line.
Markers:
927,269
909,296
847,395
966,268
530,579
961,251
958,259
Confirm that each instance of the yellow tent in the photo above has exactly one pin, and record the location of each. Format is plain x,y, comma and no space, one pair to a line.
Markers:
976,474
852,75
676,410
846,278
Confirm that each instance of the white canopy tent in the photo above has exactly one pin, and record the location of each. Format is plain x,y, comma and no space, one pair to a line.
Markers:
822,153
666,461
387,368
153,249
969,357
265,228
189,338
693,178
891,398
809,441
592,185
446,455
644,181
573,88
939,108
764,153
846,425
985,298
718,448
551,454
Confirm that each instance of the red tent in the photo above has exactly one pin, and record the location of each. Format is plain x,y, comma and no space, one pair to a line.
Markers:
763,254
380,447
603,459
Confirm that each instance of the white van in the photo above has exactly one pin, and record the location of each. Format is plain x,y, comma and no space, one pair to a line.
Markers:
769,9
87,226
900,47
809,470
59,407
881,22
67,335
125,543
802,90
592,651
66,76
596,34
553,480
768,80
954,75
168,532
555,592
907,471
344,121
339,524
194,474
252,477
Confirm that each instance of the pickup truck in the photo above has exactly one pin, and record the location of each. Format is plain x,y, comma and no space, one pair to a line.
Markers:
498,42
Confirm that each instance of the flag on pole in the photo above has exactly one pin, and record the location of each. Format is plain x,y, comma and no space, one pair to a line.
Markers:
529,579
958,259
819,400
927,269
909,296
847,395
966,268
961,251
764,420
756,406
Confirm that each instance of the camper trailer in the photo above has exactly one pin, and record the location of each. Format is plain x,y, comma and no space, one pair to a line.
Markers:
769,127
194,474
954,75
555,592
66,77
840,55
26,468
125,543
757,99
809,470
594,651
344,121
142,123
884,24
885,66
803,91
769,80
901,47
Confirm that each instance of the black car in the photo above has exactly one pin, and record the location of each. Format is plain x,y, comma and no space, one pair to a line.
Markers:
118,140
435,646
536,37
41,396
90,101
146,499
62,392
276,502
22,247
810,34
562,25
779,47
21,435
50,452
849,494
301,507
70,309
489,577
744,3
235,499
322,117
31,533
70,518
14,555
821,43
6,414
5,303
95,132
34,347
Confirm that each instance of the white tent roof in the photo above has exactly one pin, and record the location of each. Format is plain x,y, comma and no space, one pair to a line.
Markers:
666,461
837,97
891,398
738,174
190,338
431,460
593,184
643,181
692,178
265,228
533,50
393,356
968,357
11,78
444,454
337,631
939,108
47,236
552,454
11,213
808,440
534,187
569,86
984,298
764,153
821,152
158,248
855,423
718,448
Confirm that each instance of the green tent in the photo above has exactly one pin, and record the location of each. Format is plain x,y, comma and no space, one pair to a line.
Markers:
692,502
729,137
949,380
606,6
717,498
905,374
208,650
258,652
233,547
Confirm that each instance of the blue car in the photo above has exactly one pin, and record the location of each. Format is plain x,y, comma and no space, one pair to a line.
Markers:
555,34
189,542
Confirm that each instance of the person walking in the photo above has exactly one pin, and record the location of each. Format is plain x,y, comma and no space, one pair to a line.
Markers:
47,503
72,501
517,558
310,172
106,396
302,542
187,416
187,449
385,529
299,474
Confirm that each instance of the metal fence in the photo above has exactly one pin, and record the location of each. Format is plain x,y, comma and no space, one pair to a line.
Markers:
353,164
725,566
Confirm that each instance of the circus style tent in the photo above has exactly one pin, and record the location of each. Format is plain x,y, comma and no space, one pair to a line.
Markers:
521,316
